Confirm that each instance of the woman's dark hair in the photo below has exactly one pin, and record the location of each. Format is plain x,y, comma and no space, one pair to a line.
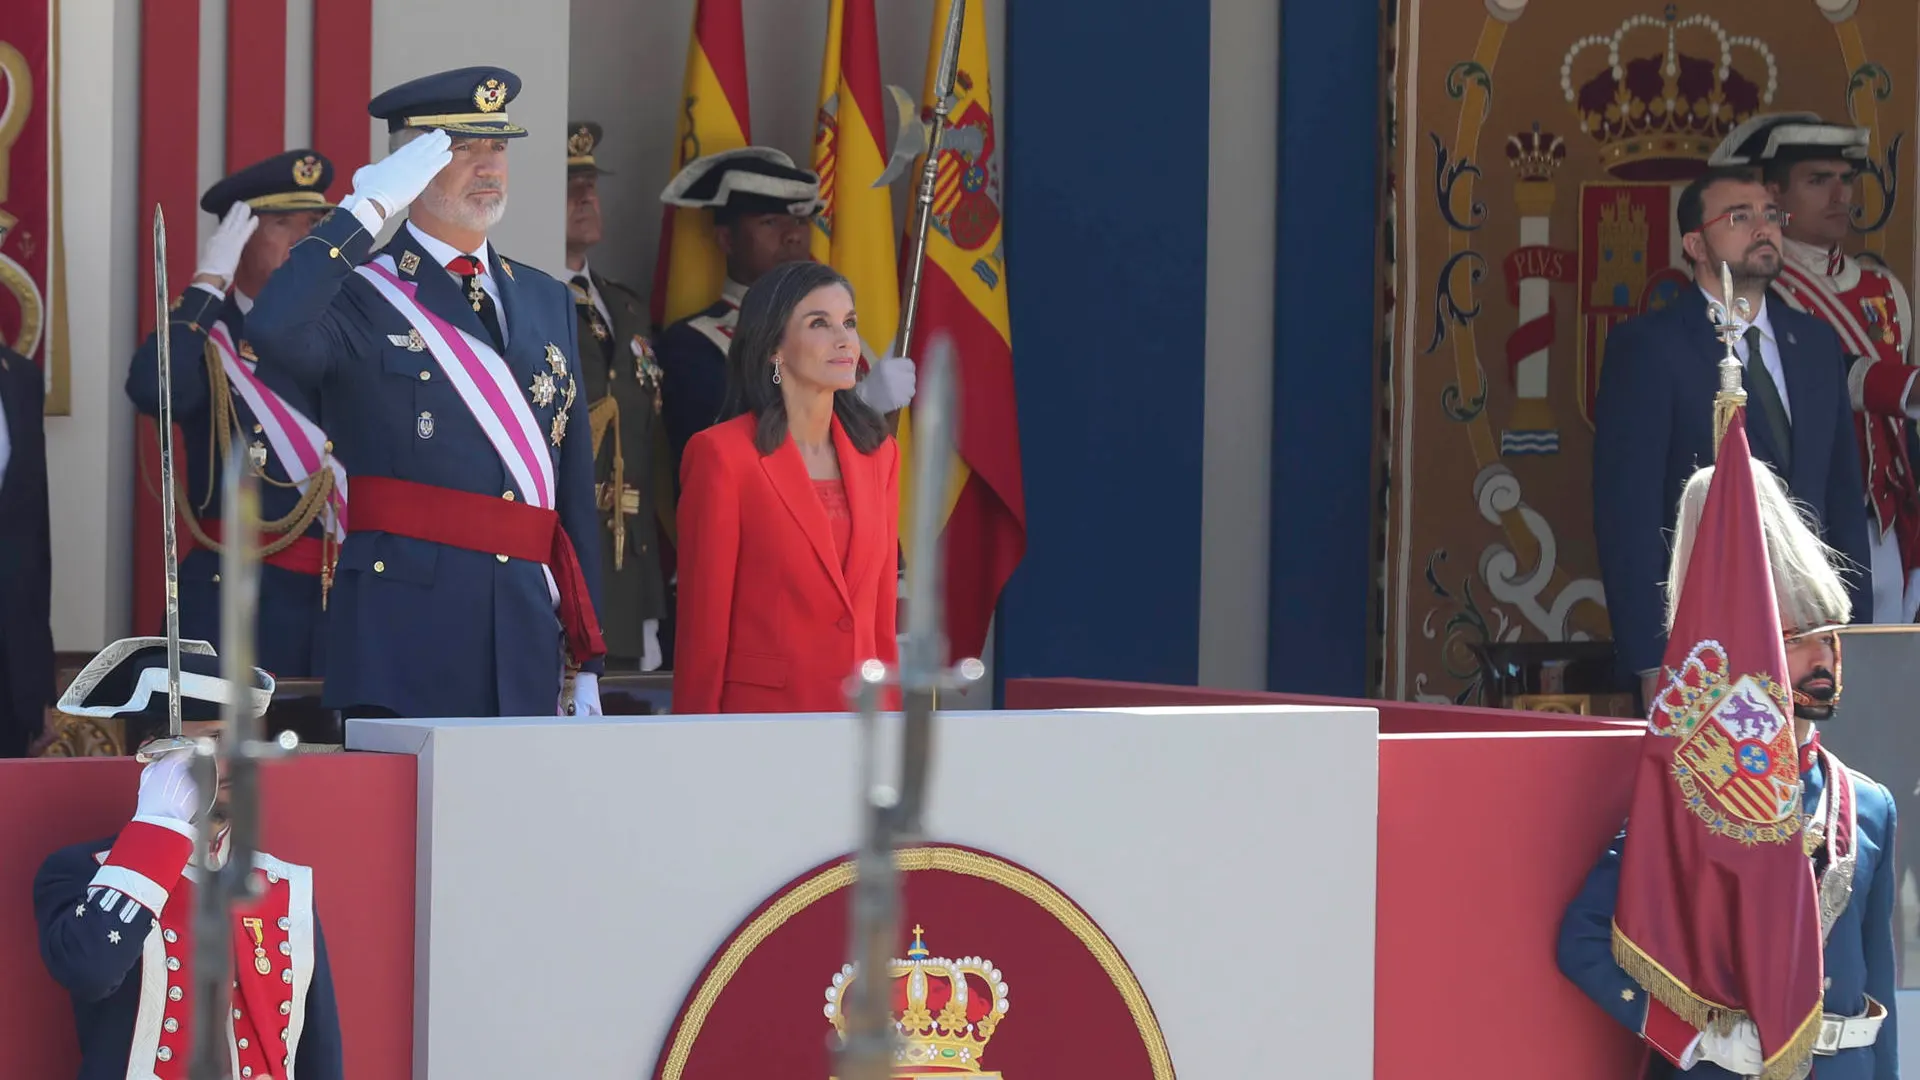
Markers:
763,322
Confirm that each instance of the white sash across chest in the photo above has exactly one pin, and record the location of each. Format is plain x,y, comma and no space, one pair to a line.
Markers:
297,440
480,375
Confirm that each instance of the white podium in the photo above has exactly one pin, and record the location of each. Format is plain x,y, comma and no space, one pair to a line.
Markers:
575,877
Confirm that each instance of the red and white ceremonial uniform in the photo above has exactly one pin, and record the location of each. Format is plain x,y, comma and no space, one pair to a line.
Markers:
1870,310
122,943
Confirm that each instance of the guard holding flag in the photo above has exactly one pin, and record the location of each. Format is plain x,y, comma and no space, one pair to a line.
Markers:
1709,937
632,482
469,579
226,402
763,207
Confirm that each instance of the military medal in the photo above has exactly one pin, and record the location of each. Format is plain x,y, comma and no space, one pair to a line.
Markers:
559,426
556,359
542,389
409,262
257,453
260,962
424,425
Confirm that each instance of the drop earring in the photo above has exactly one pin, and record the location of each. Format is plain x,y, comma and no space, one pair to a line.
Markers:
776,371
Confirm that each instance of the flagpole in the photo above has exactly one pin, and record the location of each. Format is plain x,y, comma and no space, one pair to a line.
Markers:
1730,317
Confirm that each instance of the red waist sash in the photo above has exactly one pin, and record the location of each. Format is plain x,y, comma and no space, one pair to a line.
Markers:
471,522
307,555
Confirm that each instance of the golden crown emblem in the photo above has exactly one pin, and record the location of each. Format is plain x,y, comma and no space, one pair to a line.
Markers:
306,171
580,143
1536,155
1658,116
489,96
952,1008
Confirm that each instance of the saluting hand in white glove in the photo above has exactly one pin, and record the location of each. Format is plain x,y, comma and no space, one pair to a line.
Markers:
220,255
889,384
167,789
391,184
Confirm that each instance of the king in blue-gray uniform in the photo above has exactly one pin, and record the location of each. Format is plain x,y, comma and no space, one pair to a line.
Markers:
1850,818
116,915
225,402
450,380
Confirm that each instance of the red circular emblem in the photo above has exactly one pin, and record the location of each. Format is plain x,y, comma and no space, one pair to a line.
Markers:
1000,976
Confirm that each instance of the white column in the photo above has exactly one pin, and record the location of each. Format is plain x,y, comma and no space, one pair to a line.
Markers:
90,463
1236,467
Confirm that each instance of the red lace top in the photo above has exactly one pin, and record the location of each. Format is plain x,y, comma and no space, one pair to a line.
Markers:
833,497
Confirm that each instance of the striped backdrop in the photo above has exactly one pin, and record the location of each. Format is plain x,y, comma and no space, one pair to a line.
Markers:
222,85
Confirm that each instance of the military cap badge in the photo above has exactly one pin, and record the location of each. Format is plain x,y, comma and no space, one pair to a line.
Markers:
490,96
307,171
580,143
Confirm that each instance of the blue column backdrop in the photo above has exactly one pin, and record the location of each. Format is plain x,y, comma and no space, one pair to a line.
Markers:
1106,205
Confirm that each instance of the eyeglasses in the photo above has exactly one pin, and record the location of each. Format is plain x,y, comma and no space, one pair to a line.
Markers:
1744,218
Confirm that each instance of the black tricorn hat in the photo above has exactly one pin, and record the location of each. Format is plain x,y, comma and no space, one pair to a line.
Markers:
128,681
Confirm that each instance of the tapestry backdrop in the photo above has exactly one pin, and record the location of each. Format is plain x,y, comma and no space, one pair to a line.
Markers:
1537,153
31,306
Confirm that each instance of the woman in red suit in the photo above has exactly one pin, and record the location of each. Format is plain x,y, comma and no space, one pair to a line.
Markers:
788,514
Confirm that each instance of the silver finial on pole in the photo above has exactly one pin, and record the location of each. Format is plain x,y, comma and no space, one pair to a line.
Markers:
1731,316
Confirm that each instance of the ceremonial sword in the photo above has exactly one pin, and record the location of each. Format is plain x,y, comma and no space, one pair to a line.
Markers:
168,511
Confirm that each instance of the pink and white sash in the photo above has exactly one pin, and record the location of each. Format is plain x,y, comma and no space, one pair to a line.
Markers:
483,380
296,440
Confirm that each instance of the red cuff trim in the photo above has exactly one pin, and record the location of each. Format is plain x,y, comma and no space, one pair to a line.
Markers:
155,852
1666,1032
1884,389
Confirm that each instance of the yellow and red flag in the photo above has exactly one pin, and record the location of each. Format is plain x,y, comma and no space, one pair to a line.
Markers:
854,232
963,295
690,270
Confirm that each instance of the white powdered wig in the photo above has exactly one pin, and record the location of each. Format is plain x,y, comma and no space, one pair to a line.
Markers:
1806,571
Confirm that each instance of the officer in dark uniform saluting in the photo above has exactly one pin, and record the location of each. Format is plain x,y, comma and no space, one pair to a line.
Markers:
225,401
469,580
621,382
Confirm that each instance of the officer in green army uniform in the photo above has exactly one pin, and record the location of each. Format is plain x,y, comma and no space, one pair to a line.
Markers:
622,384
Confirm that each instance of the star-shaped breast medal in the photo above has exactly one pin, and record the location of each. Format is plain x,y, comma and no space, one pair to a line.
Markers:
556,359
542,389
559,430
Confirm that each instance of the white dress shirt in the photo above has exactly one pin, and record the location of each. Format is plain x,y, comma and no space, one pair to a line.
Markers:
1769,351
444,253
593,292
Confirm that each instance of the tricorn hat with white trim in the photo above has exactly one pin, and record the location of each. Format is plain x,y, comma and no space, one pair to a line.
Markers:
128,681
749,180
1797,136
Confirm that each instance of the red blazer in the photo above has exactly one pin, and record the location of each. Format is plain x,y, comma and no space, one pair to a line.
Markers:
768,623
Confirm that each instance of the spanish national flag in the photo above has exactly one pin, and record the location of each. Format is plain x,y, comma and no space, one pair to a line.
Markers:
713,117
963,295
854,233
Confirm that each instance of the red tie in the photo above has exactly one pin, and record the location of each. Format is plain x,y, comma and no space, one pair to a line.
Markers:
464,265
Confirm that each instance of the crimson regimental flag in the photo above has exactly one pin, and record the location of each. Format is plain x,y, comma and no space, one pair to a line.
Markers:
1717,915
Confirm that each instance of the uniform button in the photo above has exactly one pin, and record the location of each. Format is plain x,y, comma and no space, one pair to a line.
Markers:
171,937
216,579
502,558
170,1025
273,878
242,1044
164,1054
173,993
246,1071
237,1014
507,496
379,567
286,1008
286,948
285,1033
286,976
845,624
285,923
333,253
173,963
426,376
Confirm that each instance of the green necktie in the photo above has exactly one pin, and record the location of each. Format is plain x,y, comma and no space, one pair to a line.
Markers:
1765,397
